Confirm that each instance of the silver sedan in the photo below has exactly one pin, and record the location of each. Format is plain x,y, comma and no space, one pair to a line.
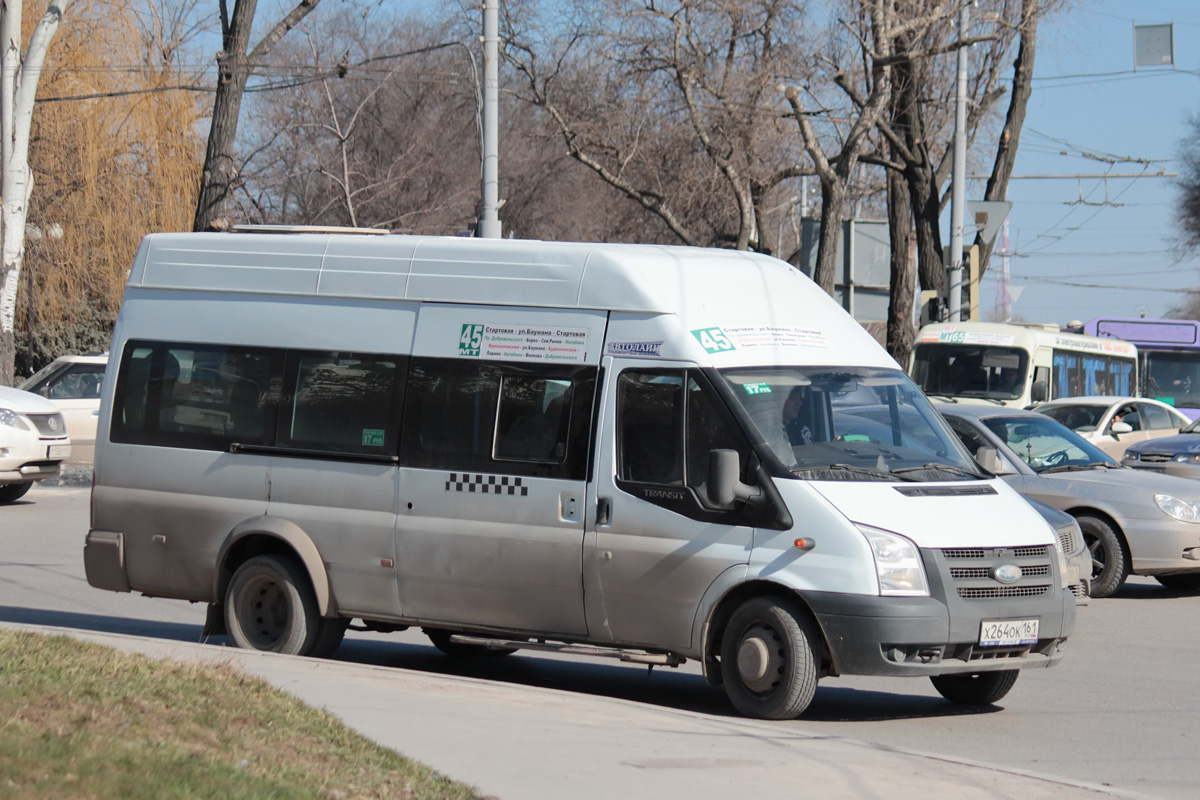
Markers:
1134,521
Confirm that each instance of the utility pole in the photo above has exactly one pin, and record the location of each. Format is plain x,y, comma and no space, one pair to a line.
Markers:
957,199
489,220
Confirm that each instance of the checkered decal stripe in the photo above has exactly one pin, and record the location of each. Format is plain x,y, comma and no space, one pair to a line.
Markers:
486,484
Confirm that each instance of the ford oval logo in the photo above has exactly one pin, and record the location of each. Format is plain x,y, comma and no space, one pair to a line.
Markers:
1007,573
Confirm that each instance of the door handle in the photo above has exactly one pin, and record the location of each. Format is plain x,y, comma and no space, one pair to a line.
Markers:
603,511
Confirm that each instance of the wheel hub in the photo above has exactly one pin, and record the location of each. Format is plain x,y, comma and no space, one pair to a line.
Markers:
759,661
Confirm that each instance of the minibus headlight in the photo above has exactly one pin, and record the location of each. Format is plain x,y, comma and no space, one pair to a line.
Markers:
1178,509
12,419
897,564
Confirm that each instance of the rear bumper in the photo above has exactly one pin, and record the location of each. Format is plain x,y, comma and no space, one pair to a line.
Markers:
104,560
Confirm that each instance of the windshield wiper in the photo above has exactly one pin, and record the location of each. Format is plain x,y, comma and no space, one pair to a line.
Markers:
878,474
943,468
1078,467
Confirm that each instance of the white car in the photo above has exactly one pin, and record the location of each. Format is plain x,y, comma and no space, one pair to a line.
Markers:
72,383
1113,423
33,442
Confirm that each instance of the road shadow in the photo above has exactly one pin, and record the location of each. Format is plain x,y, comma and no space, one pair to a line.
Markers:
663,686
173,631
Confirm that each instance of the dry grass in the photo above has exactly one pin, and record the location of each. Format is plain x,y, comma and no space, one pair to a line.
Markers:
84,721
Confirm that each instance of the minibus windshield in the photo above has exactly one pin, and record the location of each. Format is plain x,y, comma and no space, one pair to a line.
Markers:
850,423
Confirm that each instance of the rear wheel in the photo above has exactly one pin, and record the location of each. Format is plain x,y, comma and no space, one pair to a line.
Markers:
270,606
441,640
977,689
1110,559
1182,582
769,657
12,492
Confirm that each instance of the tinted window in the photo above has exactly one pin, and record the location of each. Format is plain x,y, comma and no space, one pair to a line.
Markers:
80,382
342,402
1156,418
498,418
666,434
200,396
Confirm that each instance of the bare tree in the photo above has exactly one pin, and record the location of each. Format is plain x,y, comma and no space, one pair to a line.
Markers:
18,87
234,66
672,105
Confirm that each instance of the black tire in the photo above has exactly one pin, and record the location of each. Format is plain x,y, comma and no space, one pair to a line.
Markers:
1180,582
441,640
977,688
12,492
270,606
1110,557
769,655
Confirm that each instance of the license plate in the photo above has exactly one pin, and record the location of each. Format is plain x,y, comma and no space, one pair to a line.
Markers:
1008,632
58,451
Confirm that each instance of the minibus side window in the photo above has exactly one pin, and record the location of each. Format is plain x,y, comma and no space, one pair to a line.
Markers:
497,417
650,425
531,424
204,397
342,402
708,430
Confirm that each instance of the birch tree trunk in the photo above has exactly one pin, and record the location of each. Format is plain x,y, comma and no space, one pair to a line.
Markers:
18,88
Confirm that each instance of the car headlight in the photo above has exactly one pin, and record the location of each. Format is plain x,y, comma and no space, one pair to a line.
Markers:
897,563
1178,509
1187,458
12,419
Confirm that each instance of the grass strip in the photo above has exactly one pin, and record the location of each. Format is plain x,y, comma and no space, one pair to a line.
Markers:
79,720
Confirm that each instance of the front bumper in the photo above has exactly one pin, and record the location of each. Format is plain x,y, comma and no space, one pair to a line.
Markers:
939,634
1161,545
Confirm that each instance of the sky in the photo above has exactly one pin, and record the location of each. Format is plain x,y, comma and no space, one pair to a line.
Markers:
1116,252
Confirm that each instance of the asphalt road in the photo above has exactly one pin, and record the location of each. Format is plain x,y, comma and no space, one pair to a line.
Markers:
1119,711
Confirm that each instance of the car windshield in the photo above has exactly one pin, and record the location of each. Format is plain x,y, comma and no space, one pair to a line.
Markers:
1044,444
1075,417
849,423
961,370
38,377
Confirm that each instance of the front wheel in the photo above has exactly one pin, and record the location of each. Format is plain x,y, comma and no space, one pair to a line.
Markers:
1110,561
978,689
12,492
270,606
769,657
1180,582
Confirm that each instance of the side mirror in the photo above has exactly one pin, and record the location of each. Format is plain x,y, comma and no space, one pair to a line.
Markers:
1039,392
724,484
989,458
1120,427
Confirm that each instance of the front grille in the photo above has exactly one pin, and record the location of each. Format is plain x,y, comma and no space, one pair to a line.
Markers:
994,592
51,425
972,571
1077,590
1155,458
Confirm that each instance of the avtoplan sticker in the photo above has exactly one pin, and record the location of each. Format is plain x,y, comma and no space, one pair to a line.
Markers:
523,342
634,349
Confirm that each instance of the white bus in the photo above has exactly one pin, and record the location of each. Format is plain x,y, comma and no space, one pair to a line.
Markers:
1018,365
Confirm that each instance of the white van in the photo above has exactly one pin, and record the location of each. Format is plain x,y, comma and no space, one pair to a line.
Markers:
656,453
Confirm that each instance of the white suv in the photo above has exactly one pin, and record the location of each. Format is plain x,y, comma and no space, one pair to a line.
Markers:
72,383
33,442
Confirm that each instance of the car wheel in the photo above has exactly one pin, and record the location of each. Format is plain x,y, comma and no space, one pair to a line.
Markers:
769,657
1110,558
12,492
441,640
1181,582
270,606
977,689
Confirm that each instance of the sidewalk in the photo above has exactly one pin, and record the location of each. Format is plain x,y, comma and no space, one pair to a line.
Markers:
525,743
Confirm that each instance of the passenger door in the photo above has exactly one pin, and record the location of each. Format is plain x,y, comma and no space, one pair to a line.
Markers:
494,451
76,392
658,545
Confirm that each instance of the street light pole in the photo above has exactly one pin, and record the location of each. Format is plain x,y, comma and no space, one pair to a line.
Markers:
489,220
957,199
